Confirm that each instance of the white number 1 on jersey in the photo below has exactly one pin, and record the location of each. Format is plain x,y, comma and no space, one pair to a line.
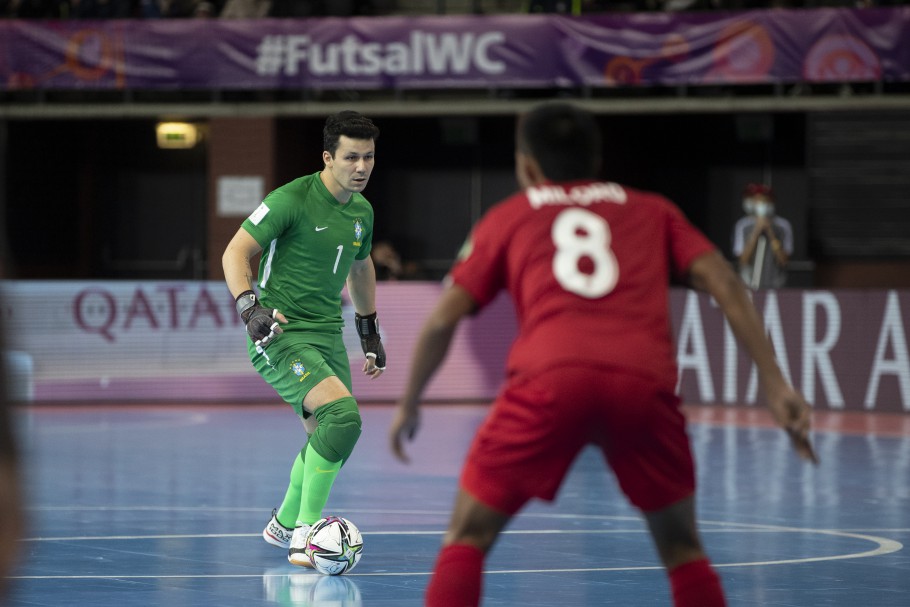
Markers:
337,259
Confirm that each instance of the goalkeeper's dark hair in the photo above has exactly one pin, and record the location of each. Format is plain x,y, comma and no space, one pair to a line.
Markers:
350,124
563,139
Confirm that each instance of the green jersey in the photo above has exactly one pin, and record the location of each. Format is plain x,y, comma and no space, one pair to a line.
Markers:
309,242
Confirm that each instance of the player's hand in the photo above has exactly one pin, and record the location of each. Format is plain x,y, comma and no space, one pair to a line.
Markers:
370,368
792,413
371,343
262,324
404,426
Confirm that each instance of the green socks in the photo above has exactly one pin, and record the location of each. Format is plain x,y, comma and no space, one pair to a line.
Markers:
287,513
317,483
315,469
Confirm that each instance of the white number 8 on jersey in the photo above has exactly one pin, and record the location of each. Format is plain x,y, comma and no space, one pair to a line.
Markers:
578,233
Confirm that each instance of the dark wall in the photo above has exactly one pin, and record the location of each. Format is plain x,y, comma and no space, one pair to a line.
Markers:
98,199
860,172
435,176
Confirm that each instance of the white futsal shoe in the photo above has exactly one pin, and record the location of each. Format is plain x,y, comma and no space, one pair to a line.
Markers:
277,534
297,550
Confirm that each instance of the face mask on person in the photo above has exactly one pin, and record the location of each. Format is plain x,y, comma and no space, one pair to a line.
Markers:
764,209
758,206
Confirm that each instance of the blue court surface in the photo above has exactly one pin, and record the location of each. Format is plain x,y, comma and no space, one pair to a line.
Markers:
164,505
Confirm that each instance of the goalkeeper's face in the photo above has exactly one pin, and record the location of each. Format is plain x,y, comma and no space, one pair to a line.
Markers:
350,168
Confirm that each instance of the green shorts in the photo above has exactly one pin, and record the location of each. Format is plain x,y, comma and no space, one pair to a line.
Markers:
297,361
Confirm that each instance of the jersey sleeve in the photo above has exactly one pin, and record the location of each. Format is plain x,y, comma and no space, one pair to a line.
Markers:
480,267
269,220
686,242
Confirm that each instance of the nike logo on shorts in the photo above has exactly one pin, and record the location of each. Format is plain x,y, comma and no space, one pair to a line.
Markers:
318,229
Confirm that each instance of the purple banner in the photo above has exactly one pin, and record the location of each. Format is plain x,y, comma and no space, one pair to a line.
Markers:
820,45
845,349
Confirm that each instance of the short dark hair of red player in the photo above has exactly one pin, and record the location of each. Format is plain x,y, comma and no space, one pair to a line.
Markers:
563,139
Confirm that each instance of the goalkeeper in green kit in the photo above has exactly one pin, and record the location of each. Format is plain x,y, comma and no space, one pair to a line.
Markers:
315,235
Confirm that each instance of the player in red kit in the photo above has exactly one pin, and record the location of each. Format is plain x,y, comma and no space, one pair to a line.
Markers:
588,265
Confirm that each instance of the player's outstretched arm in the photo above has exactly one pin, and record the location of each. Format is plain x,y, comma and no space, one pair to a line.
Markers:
236,262
361,283
262,324
429,353
712,274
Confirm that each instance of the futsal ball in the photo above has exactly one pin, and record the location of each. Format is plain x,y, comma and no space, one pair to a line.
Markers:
334,545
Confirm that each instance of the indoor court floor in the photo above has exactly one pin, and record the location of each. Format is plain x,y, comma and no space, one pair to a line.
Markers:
164,505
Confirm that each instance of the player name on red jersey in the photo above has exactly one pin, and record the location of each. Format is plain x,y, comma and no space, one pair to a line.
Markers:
584,195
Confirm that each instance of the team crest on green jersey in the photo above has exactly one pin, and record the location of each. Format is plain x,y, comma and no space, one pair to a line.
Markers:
358,232
299,370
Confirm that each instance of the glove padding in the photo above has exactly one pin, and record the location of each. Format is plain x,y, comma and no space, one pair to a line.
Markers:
260,322
370,341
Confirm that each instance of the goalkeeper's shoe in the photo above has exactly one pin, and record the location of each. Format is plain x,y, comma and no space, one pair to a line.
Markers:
297,551
277,534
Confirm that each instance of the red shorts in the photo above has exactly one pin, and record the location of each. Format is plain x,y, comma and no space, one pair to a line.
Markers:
539,424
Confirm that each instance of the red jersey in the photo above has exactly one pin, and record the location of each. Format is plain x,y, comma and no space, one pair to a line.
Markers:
588,265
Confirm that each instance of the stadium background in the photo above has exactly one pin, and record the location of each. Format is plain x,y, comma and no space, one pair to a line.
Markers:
116,238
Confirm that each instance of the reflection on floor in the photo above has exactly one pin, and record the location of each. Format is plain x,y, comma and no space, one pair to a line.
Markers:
164,505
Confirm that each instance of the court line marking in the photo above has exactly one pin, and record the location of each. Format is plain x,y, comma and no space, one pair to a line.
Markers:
106,425
101,538
268,509
884,546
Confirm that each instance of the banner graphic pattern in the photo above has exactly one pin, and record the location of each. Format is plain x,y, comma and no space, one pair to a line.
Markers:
121,341
434,52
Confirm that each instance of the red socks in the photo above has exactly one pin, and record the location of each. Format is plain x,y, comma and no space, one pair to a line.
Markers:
696,584
457,580
457,577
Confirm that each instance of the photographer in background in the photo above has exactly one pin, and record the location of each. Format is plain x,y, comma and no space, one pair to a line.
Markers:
762,241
